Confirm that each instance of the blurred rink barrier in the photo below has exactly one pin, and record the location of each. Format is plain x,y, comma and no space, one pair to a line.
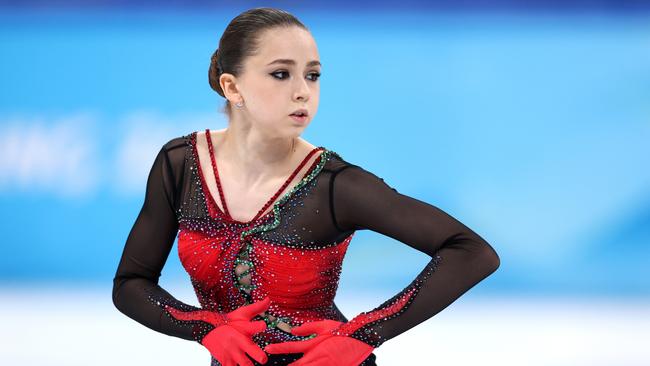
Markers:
529,122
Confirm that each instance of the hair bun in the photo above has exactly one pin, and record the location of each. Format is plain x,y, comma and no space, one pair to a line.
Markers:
217,60
214,72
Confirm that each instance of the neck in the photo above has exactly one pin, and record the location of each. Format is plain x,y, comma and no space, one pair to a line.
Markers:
257,155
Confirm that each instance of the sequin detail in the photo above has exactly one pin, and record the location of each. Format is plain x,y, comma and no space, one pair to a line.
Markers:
222,255
292,254
196,318
212,317
361,326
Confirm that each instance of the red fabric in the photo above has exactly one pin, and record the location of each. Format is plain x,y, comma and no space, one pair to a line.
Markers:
301,283
312,275
208,258
326,348
208,254
232,336
365,318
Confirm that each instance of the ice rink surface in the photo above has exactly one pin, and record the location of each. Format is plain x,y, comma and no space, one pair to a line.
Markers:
75,326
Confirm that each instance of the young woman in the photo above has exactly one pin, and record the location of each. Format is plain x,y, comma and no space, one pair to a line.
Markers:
264,218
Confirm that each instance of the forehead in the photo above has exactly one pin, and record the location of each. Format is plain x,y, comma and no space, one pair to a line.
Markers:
282,42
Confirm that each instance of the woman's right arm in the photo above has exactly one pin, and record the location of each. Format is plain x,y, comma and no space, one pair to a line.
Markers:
136,292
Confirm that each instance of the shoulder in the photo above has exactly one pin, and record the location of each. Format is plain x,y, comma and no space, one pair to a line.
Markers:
337,164
178,142
353,176
349,173
175,151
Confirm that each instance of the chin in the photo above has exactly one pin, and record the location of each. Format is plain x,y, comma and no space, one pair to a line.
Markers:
300,127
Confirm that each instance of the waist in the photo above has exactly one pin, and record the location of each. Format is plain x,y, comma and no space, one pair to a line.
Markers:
283,359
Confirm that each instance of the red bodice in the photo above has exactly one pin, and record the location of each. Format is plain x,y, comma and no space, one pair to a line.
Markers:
289,254
301,282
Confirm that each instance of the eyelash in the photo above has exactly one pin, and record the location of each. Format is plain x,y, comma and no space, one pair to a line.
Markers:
317,74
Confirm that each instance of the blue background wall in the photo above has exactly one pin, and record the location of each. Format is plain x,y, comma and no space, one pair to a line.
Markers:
530,124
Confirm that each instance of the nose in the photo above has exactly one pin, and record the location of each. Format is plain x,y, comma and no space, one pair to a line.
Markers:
302,92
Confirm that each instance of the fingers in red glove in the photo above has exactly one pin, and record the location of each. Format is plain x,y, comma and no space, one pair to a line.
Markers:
336,350
241,360
318,327
293,346
255,352
250,311
226,343
230,340
249,328
326,348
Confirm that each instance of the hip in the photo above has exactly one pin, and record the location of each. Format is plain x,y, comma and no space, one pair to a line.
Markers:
285,359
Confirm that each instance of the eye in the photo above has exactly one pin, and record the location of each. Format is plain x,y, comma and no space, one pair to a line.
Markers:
279,72
315,75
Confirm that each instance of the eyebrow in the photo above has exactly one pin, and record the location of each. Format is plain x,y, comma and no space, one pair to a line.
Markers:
292,62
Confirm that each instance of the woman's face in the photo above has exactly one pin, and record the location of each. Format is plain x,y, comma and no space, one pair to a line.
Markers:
272,90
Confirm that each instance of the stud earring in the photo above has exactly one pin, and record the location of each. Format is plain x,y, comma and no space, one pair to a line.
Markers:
239,105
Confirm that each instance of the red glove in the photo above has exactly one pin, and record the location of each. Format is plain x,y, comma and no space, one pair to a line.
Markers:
326,348
230,340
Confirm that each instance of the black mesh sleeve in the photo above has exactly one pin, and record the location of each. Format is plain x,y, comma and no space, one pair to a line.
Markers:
460,258
136,292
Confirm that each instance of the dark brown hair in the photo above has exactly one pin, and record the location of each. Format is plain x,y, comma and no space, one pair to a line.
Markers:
241,39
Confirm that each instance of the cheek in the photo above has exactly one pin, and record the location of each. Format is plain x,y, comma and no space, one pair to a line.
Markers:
266,90
266,99
275,96
315,98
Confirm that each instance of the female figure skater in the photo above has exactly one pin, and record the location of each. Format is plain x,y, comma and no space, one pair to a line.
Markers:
264,218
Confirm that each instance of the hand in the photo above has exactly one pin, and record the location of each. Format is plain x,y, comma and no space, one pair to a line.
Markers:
326,348
230,340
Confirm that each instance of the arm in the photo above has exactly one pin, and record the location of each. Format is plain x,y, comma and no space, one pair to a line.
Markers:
460,258
136,292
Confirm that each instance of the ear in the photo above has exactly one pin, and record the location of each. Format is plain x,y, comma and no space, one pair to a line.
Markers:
228,83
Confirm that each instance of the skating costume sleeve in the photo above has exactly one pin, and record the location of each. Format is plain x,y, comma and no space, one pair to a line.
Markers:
136,292
460,258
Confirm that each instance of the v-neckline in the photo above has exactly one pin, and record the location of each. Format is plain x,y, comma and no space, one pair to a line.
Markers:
270,202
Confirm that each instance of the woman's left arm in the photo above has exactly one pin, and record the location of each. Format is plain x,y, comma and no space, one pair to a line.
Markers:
460,258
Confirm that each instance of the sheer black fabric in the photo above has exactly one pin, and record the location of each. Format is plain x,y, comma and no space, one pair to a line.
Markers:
147,248
460,258
335,201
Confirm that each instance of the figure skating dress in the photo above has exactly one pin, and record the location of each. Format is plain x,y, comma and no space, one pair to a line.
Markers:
291,251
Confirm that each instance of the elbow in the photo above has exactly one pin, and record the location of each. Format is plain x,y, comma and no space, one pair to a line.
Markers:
117,284
478,253
483,254
490,258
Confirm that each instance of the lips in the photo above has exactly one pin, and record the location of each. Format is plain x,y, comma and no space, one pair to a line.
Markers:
300,112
